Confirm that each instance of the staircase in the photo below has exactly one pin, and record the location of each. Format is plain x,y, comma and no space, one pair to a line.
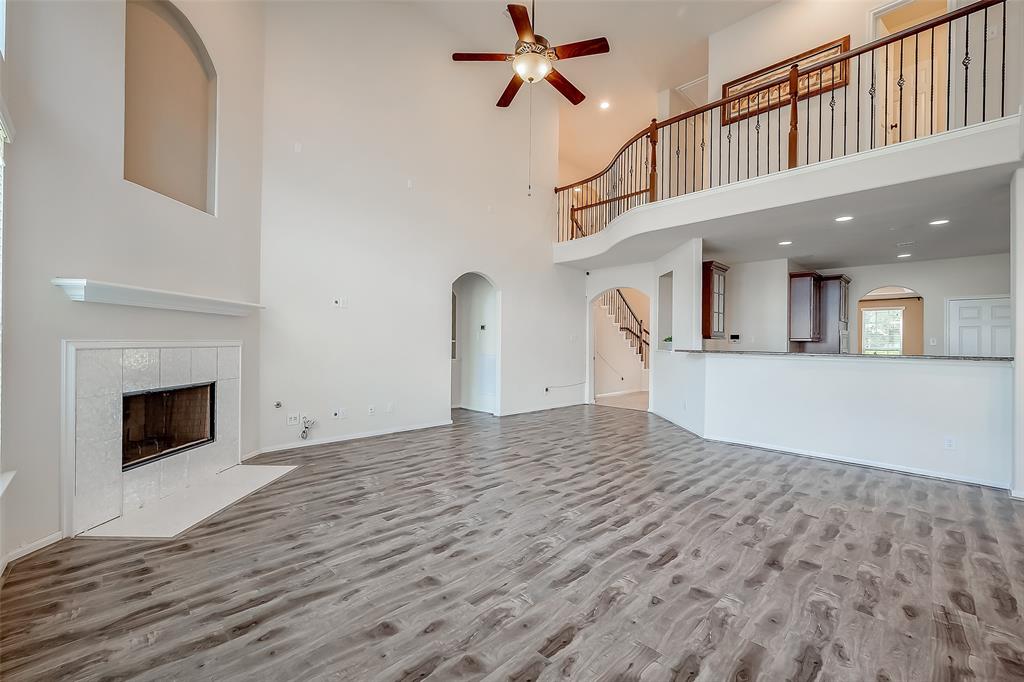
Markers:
629,324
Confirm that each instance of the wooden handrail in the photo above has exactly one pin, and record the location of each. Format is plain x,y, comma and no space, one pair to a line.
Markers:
629,308
621,197
609,166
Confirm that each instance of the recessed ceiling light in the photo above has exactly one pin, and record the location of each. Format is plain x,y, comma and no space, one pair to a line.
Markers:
785,243
940,221
844,218
904,255
905,244
605,105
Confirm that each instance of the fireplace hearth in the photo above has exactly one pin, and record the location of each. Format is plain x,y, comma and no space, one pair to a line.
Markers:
163,422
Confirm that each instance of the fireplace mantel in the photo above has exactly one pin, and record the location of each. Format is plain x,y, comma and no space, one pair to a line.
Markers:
95,291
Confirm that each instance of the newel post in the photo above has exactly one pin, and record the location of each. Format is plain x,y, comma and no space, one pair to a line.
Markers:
794,96
653,186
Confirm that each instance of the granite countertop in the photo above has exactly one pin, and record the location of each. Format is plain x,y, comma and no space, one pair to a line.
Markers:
848,355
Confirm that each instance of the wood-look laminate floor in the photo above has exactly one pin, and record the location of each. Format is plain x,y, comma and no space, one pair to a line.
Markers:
586,543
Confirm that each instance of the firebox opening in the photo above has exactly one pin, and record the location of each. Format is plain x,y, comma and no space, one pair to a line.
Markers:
166,421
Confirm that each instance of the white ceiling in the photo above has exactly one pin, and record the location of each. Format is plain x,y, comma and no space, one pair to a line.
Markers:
655,45
977,205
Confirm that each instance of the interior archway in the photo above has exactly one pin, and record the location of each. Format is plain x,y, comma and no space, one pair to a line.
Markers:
620,323
475,344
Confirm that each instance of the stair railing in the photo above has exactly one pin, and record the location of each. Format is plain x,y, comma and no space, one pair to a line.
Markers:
946,73
627,321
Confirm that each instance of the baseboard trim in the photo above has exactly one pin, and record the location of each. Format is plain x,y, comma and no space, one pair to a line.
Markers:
615,393
1019,494
871,464
347,437
25,550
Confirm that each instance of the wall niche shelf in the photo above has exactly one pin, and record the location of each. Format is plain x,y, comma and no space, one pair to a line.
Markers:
95,291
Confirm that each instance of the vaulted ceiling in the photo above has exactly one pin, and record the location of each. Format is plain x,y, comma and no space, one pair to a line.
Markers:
655,45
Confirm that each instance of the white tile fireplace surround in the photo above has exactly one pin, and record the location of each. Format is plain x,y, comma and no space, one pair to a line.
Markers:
96,491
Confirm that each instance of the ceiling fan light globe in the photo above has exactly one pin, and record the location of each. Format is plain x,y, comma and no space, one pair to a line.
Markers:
531,66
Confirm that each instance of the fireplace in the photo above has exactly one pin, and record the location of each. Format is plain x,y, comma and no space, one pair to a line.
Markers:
163,422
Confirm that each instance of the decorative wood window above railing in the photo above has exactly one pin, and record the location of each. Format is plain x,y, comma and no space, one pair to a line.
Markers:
943,74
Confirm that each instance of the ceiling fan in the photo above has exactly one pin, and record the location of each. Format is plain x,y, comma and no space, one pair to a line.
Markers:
533,58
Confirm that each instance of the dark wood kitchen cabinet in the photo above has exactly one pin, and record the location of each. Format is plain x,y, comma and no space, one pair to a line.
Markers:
834,314
805,306
713,300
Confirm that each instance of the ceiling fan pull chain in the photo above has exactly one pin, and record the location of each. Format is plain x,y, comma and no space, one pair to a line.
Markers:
529,171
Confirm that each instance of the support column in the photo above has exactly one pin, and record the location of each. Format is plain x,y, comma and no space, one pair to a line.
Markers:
1017,293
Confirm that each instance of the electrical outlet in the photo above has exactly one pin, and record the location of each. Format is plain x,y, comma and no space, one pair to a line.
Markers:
293,419
994,31
371,410
390,408
339,413
949,443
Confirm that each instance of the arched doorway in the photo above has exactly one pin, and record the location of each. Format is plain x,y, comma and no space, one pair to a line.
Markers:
620,323
475,344
890,321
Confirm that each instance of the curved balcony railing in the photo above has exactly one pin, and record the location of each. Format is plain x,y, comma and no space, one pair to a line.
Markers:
943,74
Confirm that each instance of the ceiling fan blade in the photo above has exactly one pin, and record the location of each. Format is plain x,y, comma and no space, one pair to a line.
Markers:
521,20
480,57
510,91
584,48
568,90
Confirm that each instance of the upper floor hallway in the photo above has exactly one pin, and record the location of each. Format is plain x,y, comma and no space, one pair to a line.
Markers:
928,110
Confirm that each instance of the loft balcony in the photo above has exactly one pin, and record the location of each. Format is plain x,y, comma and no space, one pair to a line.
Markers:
936,100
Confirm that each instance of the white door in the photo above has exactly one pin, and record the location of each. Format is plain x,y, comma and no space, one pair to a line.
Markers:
980,327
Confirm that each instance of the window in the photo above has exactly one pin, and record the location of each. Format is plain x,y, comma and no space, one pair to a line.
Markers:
169,105
882,331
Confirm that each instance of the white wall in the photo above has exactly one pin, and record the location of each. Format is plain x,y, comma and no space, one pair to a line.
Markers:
69,212
780,31
936,281
756,307
677,388
893,413
477,343
344,139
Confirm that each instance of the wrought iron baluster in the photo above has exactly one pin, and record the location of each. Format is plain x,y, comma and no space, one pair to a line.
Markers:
949,73
757,139
703,136
1002,81
917,78
885,98
693,182
984,61
846,103
857,149
900,83
967,62
931,86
